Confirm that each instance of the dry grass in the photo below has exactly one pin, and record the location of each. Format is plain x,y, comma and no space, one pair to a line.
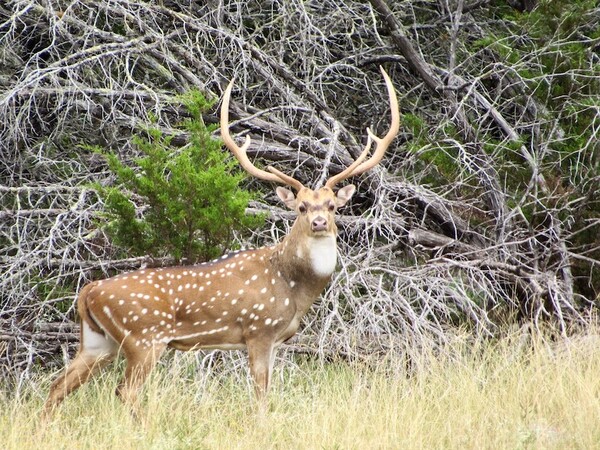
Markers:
509,395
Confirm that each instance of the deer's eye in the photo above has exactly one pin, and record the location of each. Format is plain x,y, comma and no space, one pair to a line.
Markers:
331,207
302,208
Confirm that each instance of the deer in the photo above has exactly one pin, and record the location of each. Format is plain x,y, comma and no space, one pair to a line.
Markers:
251,299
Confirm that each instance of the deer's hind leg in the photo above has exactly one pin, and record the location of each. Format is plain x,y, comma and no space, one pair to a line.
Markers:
95,352
141,359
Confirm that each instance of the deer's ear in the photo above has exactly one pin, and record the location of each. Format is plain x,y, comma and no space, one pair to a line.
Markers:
344,194
287,197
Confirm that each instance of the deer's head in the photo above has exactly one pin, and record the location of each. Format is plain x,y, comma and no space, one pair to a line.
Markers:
315,208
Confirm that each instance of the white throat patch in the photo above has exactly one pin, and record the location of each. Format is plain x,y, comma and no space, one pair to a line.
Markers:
323,255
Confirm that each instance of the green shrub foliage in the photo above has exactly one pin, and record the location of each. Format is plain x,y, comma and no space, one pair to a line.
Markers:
185,202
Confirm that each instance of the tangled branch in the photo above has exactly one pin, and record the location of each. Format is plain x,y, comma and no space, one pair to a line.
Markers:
480,215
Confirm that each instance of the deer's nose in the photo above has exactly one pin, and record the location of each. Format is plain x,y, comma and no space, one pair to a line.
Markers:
319,224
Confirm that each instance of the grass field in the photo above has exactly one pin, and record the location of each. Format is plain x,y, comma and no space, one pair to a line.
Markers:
510,394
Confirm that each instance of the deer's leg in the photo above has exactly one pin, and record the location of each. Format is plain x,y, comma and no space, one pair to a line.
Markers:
95,352
140,362
261,355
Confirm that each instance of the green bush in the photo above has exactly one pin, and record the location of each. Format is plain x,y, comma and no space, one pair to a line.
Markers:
186,202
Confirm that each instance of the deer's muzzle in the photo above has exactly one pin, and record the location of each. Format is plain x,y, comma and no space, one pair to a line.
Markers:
319,224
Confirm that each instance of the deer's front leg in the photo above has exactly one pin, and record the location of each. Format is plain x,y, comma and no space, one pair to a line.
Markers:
261,355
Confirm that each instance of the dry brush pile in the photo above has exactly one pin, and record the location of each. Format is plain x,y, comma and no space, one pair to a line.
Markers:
483,214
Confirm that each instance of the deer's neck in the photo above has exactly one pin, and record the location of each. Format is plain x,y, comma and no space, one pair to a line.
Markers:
306,259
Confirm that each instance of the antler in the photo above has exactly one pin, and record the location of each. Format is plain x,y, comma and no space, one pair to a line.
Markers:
383,143
240,152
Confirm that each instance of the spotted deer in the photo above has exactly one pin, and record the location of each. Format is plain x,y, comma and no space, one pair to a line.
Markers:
251,299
